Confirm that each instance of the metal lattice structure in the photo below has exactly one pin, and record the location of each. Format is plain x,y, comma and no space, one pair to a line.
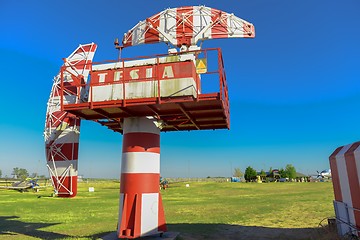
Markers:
62,129
139,98
187,26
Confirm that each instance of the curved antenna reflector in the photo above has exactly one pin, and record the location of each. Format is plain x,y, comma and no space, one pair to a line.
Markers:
187,26
62,129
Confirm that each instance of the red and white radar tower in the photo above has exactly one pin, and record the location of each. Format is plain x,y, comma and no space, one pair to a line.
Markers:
62,128
141,97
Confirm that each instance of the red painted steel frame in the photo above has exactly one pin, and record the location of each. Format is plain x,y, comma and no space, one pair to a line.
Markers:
201,112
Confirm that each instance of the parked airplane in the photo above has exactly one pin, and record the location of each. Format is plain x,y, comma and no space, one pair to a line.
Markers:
22,186
324,174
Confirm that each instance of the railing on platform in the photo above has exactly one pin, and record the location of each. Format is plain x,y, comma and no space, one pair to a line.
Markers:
76,92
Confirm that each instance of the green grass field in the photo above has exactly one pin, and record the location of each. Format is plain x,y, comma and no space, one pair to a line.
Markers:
205,210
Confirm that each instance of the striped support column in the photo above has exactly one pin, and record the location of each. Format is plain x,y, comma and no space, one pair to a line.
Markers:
345,171
62,156
140,208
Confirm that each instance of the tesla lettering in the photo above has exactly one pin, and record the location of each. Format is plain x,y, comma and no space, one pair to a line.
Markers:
117,75
134,74
168,72
102,77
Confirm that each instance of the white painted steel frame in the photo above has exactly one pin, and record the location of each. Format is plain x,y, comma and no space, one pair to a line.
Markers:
58,132
344,224
200,19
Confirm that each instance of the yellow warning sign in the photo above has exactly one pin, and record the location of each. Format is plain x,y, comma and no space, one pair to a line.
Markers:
201,65
62,126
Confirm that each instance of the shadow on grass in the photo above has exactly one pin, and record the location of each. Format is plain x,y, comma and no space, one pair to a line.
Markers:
9,225
238,232
103,235
197,231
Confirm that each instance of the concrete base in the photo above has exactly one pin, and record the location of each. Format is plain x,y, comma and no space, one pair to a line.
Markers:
165,236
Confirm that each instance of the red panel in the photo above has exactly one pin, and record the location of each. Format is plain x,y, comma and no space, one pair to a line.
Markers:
132,183
133,186
252,27
353,180
87,48
67,151
69,87
335,175
128,36
81,64
219,29
97,75
130,226
136,73
184,27
179,69
57,118
152,35
127,74
67,184
161,217
166,71
61,116
141,142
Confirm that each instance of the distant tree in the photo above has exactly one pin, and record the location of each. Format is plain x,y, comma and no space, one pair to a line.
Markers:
20,173
270,170
250,173
0,173
282,173
237,173
290,171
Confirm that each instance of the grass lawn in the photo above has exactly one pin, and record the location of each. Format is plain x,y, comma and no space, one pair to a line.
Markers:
205,210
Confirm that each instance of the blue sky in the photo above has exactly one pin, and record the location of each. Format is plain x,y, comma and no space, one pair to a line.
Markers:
294,89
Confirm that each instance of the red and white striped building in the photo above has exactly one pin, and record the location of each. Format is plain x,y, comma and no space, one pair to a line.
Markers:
345,170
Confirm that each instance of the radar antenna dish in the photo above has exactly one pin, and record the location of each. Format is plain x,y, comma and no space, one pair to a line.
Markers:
186,26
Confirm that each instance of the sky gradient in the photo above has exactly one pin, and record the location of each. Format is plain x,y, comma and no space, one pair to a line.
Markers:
294,89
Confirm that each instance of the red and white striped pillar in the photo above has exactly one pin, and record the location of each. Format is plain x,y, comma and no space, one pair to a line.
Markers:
62,155
62,129
140,210
345,172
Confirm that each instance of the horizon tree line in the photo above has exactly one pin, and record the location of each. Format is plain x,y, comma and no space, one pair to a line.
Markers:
22,174
250,173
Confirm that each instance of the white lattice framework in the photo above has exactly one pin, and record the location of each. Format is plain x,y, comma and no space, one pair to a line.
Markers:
62,129
187,26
